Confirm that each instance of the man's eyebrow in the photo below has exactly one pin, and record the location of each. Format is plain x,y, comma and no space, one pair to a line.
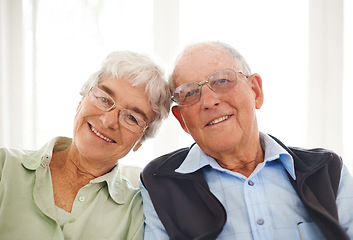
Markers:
112,94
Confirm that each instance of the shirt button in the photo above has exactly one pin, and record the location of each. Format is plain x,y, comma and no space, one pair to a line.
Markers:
251,183
81,198
45,161
260,221
71,220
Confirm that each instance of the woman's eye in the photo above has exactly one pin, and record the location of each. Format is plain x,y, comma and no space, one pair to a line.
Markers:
132,118
104,100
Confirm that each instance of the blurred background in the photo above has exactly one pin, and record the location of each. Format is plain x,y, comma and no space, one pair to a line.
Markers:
302,49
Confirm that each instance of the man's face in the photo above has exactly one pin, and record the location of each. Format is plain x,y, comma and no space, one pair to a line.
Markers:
220,123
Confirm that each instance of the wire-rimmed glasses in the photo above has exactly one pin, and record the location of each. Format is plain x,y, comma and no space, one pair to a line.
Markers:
220,82
128,118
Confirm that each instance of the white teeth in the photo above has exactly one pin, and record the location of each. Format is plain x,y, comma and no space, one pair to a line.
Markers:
101,136
219,120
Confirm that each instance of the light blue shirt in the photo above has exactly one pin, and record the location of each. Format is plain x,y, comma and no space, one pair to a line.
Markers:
262,206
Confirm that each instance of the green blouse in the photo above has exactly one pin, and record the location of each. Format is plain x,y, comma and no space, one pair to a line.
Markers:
106,208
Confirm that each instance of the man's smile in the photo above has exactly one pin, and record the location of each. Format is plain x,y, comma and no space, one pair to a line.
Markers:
218,120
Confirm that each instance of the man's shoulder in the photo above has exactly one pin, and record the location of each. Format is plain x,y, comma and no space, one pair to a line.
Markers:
318,154
167,161
314,151
311,157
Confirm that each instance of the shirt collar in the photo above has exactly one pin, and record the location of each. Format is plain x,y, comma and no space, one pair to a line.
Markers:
274,151
43,156
115,183
197,159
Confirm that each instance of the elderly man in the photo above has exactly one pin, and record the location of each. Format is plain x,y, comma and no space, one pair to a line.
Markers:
236,182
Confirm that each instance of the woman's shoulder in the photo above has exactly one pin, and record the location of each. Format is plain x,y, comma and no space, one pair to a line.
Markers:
12,154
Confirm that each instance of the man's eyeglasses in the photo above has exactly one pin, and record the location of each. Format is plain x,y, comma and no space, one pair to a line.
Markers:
129,119
220,82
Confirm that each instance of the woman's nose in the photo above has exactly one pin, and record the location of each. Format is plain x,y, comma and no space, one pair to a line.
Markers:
110,119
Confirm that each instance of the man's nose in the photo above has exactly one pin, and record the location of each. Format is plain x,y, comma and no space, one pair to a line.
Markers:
209,99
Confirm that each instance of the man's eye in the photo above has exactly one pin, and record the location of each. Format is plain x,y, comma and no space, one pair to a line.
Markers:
221,81
191,93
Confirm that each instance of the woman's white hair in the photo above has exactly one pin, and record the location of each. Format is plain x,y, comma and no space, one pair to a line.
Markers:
140,70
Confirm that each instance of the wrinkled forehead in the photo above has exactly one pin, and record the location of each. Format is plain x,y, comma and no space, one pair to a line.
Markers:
198,62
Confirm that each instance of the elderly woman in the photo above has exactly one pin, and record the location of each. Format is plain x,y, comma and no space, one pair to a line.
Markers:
72,188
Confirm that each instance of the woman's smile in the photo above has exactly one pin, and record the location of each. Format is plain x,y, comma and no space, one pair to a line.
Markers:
100,135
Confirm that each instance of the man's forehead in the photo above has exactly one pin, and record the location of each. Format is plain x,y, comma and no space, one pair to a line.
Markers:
199,62
201,50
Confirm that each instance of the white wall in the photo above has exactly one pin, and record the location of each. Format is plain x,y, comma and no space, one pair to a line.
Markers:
49,48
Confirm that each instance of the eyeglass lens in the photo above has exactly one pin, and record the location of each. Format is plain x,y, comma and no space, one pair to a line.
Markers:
129,119
132,121
101,99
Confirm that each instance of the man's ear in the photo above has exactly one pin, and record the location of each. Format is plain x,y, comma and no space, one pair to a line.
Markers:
177,114
256,82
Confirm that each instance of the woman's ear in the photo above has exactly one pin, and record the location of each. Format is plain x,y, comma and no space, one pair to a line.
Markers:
137,146
256,82
79,106
177,114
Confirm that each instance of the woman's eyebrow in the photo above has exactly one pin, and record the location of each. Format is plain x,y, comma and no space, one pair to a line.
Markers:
107,90
139,111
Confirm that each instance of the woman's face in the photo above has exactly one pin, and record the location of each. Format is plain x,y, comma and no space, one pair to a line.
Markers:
99,135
